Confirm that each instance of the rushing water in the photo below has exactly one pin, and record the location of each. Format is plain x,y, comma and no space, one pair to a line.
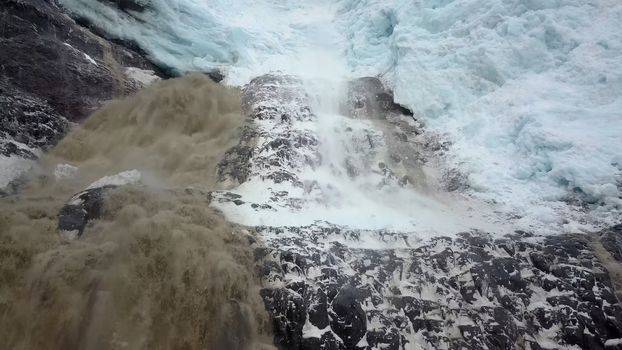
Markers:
160,269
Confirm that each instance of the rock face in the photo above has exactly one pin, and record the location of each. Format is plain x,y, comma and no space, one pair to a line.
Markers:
81,208
28,123
331,287
471,292
612,241
282,138
53,73
87,205
48,55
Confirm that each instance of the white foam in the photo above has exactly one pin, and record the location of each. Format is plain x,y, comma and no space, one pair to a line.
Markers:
130,177
13,167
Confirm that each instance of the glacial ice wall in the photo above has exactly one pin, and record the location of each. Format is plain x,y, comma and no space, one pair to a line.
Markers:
529,91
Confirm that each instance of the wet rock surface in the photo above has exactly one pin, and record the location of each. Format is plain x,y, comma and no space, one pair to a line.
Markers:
48,55
28,123
82,208
281,139
271,146
474,291
612,241
331,287
53,72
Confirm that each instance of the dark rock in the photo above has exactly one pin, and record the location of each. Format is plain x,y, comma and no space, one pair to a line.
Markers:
318,309
27,120
460,275
216,76
348,319
53,72
611,239
81,208
541,262
46,54
368,98
288,316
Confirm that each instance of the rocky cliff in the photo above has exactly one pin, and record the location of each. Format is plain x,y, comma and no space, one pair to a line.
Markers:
54,72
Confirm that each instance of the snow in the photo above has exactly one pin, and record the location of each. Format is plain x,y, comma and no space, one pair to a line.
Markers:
130,177
311,331
528,91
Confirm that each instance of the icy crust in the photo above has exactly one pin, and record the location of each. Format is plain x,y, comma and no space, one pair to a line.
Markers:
337,288
530,93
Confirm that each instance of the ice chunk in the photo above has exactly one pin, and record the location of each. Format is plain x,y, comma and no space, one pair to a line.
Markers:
143,76
130,177
65,171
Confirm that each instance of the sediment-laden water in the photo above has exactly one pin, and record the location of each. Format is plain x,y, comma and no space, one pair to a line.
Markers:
160,269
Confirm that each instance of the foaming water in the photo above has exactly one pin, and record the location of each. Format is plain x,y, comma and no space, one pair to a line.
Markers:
160,269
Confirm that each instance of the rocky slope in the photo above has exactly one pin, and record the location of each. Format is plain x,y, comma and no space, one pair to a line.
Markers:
332,287
54,73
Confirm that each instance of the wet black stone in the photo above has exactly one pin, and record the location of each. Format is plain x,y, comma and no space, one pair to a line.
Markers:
36,59
541,262
368,98
611,239
348,319
288,315
318,309
75,217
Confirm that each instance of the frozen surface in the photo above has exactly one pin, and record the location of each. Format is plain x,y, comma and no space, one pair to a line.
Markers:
528,91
